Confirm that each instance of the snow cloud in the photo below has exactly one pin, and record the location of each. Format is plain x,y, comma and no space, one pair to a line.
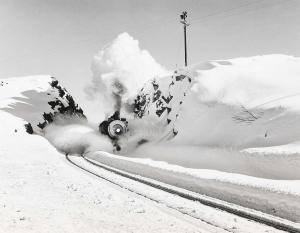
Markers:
120,70
76,136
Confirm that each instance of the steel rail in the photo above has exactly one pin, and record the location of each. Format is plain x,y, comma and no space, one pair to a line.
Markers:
263,218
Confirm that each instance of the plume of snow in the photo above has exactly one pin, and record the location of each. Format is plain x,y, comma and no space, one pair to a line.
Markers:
120,70
76,136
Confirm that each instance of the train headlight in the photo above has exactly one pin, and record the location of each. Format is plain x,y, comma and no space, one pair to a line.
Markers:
117,128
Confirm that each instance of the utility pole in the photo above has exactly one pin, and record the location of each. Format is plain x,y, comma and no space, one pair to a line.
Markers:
185,24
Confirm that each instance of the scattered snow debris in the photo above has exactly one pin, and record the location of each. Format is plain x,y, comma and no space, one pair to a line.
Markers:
159,99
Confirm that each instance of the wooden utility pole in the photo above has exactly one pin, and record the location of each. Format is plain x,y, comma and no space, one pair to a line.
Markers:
185,24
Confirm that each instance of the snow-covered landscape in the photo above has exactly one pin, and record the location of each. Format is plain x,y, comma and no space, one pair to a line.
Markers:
41,191
138,146
221,148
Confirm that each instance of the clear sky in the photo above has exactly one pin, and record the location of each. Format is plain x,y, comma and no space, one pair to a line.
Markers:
60,37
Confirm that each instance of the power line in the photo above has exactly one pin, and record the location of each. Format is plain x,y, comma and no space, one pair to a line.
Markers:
246,11
225,11
164,22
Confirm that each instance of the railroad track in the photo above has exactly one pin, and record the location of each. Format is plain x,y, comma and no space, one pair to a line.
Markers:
257,216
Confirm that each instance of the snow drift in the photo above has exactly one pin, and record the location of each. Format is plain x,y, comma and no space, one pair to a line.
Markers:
243,102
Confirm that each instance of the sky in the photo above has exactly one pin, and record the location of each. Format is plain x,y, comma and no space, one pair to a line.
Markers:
60,37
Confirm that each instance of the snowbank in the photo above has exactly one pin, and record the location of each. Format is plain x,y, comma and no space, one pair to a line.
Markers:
243,102
276,163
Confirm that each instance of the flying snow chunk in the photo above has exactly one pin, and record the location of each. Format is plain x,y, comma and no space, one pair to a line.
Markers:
236,103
